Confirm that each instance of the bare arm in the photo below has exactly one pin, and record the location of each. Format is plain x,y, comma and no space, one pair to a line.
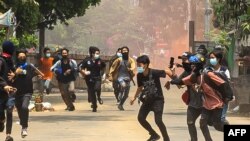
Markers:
138,91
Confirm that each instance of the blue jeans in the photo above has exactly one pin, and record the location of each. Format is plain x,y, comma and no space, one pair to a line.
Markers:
124,90
224,112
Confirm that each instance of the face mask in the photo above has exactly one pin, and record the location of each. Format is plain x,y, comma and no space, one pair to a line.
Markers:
140,69
48,55
187,66
213,61
125,56
22,60
64,56
119,54
97,56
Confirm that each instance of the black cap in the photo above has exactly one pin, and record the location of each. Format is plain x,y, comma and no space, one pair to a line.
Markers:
8,47
185,55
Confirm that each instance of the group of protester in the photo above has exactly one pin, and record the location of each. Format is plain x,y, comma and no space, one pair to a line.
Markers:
207,93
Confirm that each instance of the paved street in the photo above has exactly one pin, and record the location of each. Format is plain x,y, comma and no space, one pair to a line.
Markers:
108,124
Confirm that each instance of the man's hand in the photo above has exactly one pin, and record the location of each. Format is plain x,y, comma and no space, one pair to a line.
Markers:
132,100
11,75
167,85
67,72
19,71
9,89
39,76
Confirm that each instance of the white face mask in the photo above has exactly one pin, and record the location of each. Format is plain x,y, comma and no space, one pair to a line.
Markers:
48,55
119,54
97,56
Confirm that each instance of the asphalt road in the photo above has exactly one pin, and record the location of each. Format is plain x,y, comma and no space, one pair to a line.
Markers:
108,124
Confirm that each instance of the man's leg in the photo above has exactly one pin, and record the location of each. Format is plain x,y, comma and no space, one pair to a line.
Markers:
158,112
216,116
142,115
72,91
65,95
116,90
124,93
98,85
2,114
192,115
205,116
88,90
25,110
9,108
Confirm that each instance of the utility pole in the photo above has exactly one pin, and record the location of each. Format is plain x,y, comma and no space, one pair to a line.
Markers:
208,12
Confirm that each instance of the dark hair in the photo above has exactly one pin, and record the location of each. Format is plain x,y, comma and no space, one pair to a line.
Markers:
144,59
65,50
21,51
119,49
45,49
218,54
125,47
92,50
202,50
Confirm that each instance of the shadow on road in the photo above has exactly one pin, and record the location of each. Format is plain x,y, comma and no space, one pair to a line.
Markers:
61,118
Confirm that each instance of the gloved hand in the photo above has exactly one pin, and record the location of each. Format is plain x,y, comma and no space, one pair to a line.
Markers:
176,81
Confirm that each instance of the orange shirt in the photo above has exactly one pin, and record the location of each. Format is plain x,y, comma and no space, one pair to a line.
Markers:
45,65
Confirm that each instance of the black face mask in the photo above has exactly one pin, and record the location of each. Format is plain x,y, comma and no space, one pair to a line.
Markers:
198,68
21,61
187,67
64,56
125,56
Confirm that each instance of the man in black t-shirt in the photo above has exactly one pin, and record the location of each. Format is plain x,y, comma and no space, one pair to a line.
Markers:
145,75
22,80
92,69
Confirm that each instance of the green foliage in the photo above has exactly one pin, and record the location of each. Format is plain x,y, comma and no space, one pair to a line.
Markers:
34,14
233,14
28,41
220,38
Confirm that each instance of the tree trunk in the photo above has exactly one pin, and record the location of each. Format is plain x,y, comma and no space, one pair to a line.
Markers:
41,41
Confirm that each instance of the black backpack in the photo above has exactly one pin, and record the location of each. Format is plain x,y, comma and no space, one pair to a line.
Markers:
149,93
225,90
4,69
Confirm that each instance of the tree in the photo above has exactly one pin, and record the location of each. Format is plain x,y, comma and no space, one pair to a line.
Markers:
232,14
42,14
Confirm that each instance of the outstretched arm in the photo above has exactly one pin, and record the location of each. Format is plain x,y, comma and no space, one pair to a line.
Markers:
138,91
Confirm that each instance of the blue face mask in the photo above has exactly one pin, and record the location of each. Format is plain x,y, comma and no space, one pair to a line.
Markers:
213,61
119,54
97,56
140,69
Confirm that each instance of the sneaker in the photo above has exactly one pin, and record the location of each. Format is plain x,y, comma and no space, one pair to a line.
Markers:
154,137
9,138
66,109
47,91
71,108
24,132
94,110
120,107
1,126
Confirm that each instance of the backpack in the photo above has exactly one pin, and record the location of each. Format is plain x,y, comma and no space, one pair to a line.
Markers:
149,93
72,63
225,90
4,69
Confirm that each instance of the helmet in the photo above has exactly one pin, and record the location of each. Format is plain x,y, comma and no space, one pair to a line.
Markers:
202,50
197,58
